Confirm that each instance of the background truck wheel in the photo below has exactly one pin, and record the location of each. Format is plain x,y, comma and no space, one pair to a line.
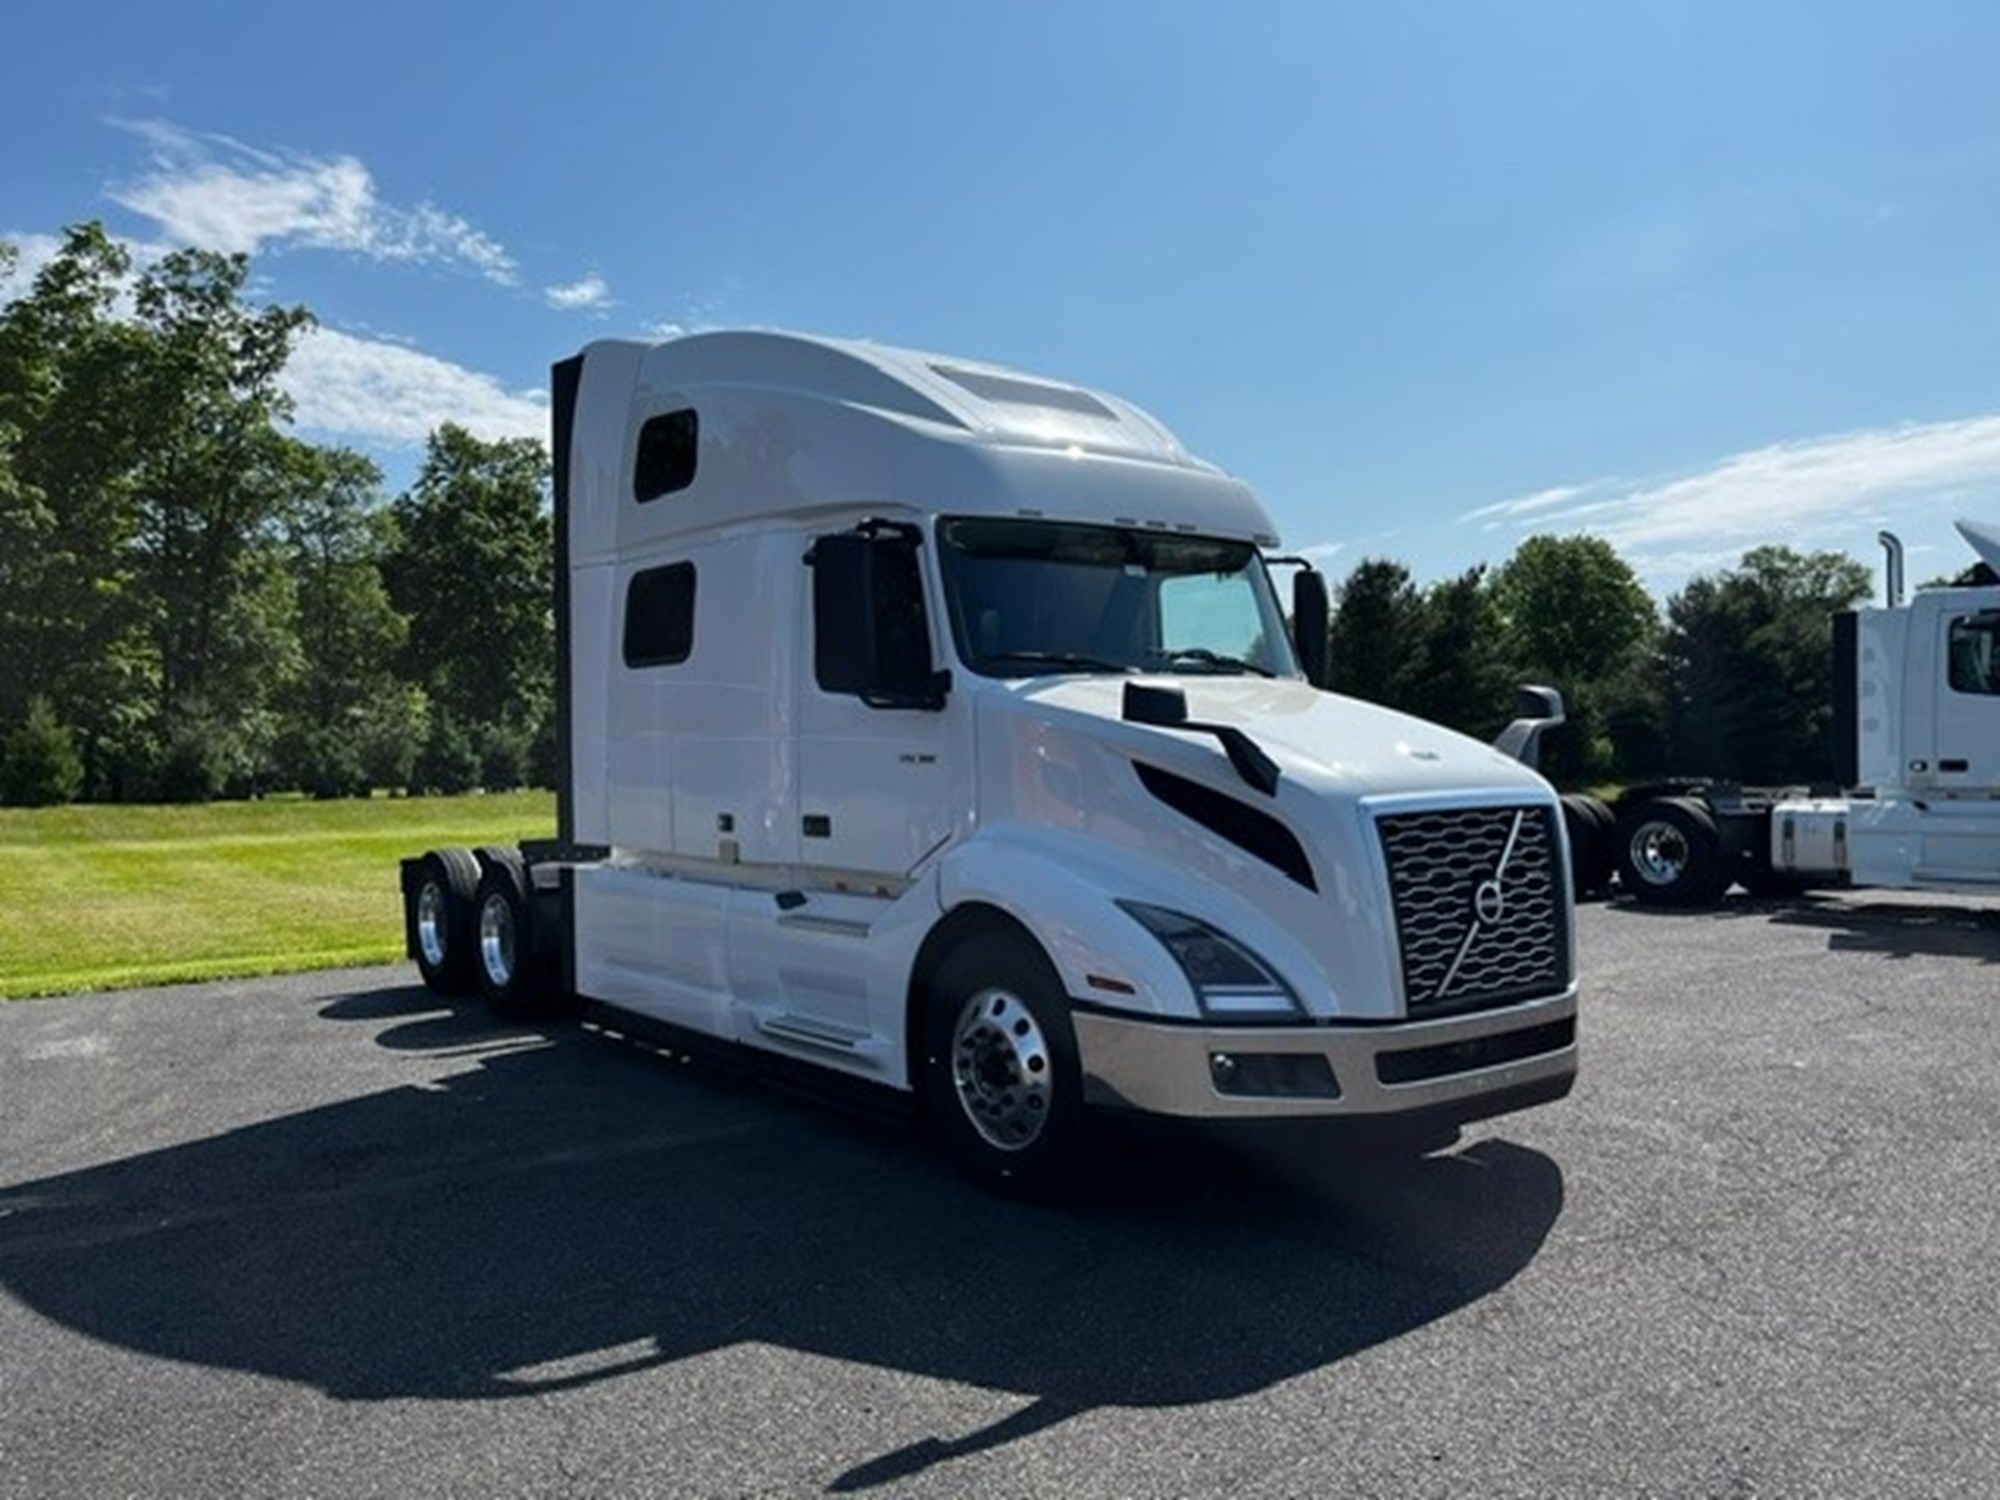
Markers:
1606,869
1000,1072
446,883
1589,826
1669,854
512,976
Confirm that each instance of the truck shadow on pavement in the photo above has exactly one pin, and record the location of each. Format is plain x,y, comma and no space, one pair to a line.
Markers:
568,1208
1889,929
1900,931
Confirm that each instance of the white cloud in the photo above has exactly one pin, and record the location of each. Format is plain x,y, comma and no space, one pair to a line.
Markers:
32,252
1824,492
367,390
218,193
590,293
1526,505
1768,492
1319,553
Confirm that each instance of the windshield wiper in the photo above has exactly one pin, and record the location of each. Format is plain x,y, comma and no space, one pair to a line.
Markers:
1059,659
1214,659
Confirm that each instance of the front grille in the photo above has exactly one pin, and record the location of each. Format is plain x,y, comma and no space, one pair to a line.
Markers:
1475,932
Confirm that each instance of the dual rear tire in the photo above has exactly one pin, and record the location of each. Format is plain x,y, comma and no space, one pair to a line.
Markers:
441,919
473,923
1593,853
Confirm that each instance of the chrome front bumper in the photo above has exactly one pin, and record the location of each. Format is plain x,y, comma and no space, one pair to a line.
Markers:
1462,1067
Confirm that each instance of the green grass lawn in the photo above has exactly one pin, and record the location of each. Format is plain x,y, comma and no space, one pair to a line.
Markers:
106,897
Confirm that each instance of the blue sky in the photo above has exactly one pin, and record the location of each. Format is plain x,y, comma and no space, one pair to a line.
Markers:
1694,277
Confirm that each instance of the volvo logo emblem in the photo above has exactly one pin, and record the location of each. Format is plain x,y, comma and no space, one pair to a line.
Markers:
1489,902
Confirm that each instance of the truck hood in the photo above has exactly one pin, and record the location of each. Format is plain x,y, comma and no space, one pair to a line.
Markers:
1332,745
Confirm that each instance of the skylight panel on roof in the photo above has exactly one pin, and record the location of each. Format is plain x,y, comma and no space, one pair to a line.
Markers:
1010,391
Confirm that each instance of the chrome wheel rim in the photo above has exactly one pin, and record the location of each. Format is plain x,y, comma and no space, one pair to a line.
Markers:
496,939
1659,853
431,923
1001,1070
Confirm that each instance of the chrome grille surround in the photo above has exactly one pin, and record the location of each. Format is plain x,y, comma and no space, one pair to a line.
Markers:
1482,915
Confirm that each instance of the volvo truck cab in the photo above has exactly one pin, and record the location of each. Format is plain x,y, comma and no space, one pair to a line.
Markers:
942,727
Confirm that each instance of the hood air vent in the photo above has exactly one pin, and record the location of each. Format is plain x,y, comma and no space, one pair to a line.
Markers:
1256,833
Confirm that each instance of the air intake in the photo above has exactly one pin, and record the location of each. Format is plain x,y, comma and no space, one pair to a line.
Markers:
1256,833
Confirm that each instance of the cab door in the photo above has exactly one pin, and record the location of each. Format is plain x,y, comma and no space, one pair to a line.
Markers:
882,773
1966,743
883,753
1959,832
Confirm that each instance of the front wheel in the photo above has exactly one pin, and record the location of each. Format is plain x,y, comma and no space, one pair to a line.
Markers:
1001,1076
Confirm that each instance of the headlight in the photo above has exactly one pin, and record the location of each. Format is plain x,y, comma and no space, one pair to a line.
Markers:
1230,982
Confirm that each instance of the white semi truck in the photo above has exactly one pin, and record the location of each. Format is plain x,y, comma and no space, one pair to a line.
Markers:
935,726
1916,728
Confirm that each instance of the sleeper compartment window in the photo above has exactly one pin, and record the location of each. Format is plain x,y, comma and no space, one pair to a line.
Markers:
665,461
659,616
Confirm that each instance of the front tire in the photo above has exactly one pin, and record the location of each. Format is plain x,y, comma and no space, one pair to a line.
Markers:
1001,1076
1669,854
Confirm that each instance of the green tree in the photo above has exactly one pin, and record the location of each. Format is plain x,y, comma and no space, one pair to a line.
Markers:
71,380
1573,610
448,762
335,741
1375,634
1576,617
1749,663
142,589
472,571
39,766
1460,674
213,487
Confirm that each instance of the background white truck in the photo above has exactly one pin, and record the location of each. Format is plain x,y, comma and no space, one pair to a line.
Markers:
1917,750
937,727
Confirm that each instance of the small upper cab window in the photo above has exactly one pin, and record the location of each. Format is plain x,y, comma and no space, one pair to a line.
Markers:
666,458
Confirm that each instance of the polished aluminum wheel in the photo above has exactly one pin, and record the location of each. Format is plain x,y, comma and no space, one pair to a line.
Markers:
1001,1069
432,904
1660,853
496,940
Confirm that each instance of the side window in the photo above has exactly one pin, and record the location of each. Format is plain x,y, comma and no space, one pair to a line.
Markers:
1975,654
665,462
659,616
871,629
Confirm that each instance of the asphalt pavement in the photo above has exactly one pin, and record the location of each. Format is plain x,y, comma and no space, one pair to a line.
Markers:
326,1236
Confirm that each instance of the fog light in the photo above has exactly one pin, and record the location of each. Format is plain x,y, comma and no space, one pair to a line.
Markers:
1273,1075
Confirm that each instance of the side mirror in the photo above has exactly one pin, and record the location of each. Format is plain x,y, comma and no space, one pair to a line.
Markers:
871,636
1539,709
1311,614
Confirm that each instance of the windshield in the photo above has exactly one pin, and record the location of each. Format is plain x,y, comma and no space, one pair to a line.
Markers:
1028,598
